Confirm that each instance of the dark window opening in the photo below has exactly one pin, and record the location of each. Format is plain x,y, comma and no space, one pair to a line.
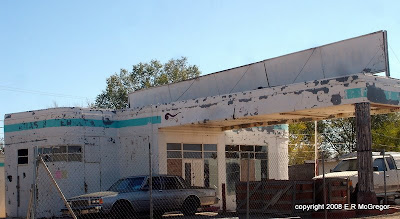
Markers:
174,146
188,173
23,156
192,147
22,152
22,160
206,175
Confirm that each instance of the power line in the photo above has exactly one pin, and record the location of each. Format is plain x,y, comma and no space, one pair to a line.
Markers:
14,89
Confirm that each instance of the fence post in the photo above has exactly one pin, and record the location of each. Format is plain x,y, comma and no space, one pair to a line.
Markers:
32,201
223,198
315,149
323,183
248,187
384,176
150,182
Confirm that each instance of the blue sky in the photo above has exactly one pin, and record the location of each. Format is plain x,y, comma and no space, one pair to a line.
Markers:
63,51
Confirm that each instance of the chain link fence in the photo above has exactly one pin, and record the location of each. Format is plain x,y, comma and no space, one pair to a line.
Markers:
258,182
68,184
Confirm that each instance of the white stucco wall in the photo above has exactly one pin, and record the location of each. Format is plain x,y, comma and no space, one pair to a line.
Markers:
107,155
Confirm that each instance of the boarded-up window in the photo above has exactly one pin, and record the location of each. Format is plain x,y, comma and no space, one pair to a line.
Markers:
61,153
174,167
244,168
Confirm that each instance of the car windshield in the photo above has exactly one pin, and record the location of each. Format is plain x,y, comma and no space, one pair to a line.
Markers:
346,165
127,185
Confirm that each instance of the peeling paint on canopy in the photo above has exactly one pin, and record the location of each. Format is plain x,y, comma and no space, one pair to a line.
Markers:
308,101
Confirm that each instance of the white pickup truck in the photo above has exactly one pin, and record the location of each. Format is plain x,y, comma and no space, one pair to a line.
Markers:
347,169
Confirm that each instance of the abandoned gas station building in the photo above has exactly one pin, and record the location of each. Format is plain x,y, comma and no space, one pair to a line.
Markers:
202,129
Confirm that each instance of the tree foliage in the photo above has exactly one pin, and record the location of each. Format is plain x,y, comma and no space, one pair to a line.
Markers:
142,76
386,132
302,141
1,144
338,136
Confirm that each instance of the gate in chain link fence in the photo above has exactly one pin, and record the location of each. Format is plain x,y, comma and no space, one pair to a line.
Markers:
67,185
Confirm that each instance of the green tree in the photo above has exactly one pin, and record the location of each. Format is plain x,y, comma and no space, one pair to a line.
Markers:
338,136
1,144
302,141
143,75
386,132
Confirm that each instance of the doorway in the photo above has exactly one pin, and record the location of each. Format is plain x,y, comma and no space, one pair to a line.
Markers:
193,171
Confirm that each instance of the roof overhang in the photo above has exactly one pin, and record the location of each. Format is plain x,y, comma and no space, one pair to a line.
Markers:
308,101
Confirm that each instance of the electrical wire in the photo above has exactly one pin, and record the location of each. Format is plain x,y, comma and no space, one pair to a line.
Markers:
14,89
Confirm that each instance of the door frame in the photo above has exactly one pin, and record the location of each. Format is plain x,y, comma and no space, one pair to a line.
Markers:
193,170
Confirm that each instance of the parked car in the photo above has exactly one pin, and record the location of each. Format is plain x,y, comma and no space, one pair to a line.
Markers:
131,196
347,169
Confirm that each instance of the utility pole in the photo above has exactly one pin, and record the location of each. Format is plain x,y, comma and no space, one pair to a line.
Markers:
366,193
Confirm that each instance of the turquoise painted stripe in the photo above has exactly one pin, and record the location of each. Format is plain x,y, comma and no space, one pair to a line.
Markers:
281,127
1,164
362,92
81,123
356,93
391,95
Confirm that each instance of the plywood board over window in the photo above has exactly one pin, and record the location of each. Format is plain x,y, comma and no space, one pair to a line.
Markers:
174,167
244,173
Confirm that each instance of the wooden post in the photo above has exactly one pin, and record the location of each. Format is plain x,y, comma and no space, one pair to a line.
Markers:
366,193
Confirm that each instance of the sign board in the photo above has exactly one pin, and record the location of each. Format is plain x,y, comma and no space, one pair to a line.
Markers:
364,54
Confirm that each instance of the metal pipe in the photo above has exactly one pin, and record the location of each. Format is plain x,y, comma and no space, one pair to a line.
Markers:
323,184
32,199
223,198
150,182
35,173
248,187
384,176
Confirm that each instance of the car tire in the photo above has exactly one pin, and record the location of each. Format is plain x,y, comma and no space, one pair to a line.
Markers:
122,210
190,206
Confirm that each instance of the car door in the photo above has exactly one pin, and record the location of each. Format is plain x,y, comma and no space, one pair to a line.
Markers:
391,176
379,166
157,195
173,192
